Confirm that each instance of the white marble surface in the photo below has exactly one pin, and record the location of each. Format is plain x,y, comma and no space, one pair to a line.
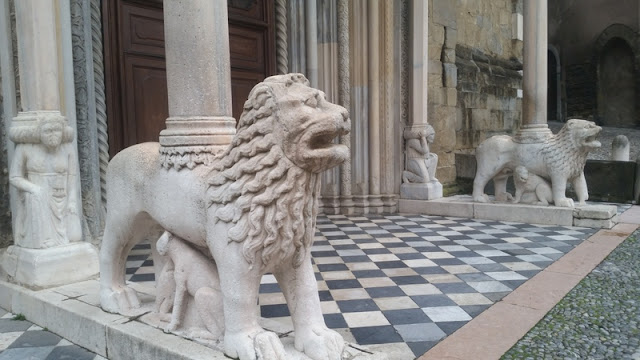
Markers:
252,210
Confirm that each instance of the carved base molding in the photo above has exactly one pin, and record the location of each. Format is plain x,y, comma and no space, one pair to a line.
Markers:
532,134
44,268
179,157
359,204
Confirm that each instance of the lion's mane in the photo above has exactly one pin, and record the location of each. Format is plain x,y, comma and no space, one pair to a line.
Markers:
272,202
562,154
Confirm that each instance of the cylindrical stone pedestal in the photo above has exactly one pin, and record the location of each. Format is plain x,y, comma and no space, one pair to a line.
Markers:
200,123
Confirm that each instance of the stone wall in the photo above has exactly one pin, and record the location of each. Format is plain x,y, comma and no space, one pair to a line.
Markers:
473,75
580,30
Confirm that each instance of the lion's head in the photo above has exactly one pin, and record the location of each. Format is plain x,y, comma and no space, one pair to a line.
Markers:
520,174
583,133
266,182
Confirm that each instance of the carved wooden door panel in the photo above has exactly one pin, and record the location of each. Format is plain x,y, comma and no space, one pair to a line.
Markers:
135,72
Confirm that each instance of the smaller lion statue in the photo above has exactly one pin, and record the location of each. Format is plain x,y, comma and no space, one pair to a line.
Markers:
529,183
560,159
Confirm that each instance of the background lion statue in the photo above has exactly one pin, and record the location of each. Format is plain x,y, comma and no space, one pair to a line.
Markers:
560,158
254,209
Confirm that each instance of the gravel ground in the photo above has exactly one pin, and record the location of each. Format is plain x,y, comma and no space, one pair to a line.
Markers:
598,319
606,138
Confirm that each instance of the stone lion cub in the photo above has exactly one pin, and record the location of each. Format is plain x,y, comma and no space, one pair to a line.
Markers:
531,183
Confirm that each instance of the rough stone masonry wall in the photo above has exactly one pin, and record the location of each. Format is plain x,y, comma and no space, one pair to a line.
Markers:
488,58
443,81
473,75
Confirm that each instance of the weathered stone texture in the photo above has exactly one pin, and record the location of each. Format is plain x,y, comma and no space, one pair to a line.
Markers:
486,26
487,96
473,75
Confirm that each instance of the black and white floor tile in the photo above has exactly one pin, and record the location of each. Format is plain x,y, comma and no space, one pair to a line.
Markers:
410,279
22,340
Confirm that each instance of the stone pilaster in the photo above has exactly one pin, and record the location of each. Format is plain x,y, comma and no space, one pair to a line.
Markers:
200,124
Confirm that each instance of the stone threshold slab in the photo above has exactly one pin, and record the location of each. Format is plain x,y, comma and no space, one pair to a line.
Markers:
595,216
497,329
73,312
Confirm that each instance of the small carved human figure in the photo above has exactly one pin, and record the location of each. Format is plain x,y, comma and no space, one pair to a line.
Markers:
421,163
527,182
188,272
44,172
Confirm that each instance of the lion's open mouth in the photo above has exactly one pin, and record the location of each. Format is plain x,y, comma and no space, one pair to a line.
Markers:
319,149
591,141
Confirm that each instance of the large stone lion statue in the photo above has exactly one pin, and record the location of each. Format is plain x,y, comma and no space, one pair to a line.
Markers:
560,158
254,209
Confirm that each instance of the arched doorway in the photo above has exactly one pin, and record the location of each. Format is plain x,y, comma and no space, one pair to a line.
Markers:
617,84
554,111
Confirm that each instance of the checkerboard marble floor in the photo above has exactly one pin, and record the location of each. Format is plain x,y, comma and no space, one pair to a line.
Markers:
22,340
410,280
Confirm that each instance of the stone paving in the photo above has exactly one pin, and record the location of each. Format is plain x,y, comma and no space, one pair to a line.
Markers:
409,280
401,280
598,319
22,340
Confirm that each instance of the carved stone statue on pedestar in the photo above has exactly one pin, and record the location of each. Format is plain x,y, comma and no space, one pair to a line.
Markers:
420,162
43,172
560,158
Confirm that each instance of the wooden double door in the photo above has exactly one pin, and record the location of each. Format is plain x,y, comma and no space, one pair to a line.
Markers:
135,70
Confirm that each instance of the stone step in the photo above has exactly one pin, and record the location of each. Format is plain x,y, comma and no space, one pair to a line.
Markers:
73,312
594,216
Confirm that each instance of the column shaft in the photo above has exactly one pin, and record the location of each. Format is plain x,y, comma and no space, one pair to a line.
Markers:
311,20
534,103
37,55
374,101
200,122
420,60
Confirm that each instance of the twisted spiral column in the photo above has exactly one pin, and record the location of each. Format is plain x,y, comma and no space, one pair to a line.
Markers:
282,55
101,106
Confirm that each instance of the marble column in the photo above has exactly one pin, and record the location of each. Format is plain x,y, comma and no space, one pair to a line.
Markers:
344,78
424,186
311,20
534,127
200,123
375,200
48,250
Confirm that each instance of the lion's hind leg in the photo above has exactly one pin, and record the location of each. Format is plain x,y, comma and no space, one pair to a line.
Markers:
122,233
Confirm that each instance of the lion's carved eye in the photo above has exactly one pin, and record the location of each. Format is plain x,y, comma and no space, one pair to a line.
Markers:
312,102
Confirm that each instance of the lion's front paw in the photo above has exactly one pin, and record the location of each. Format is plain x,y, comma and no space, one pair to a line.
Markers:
256,345
504,197
119,299
481,199
320,343
566,202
